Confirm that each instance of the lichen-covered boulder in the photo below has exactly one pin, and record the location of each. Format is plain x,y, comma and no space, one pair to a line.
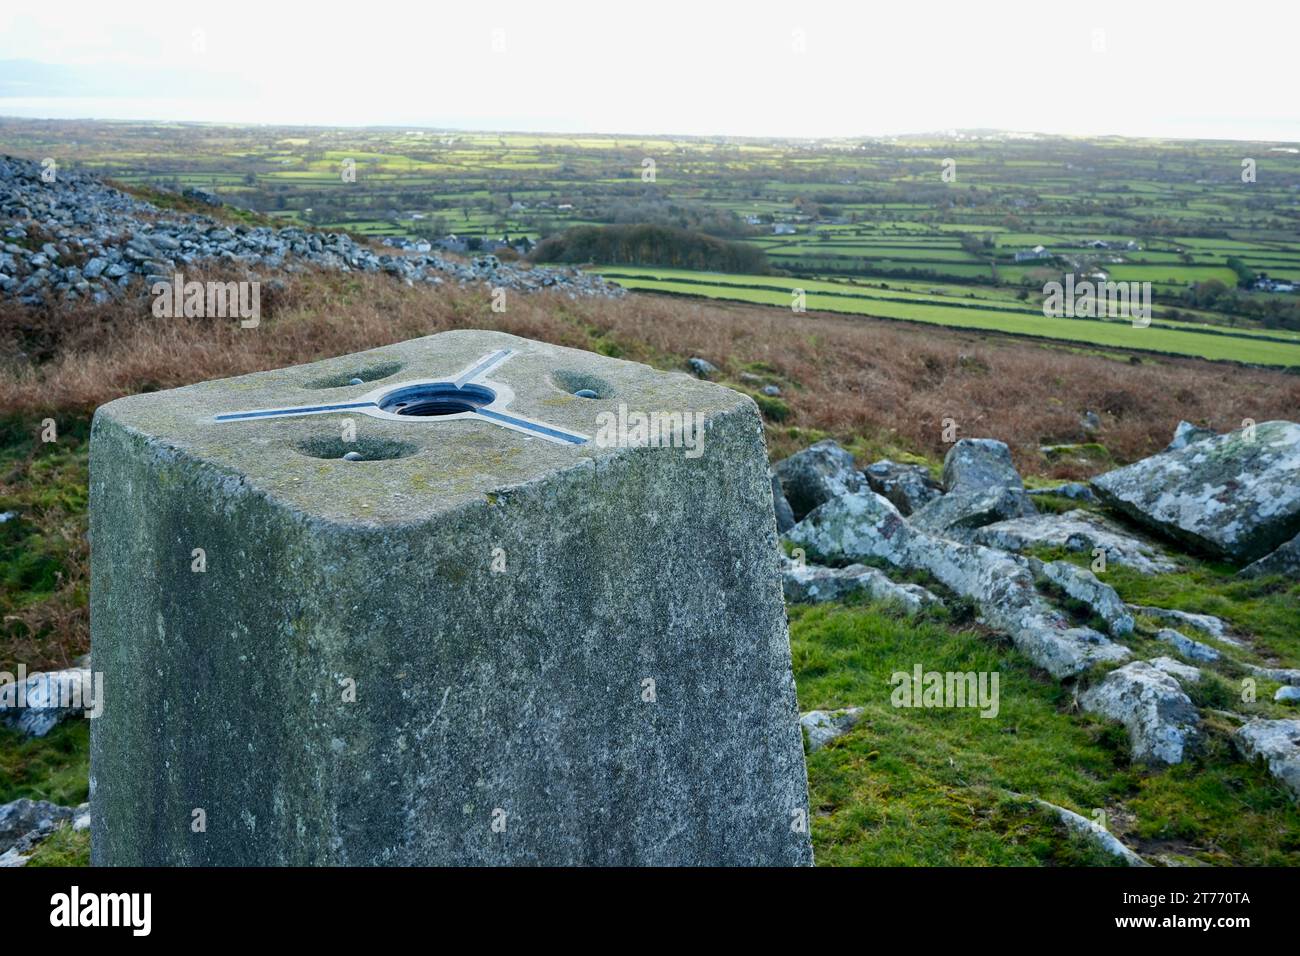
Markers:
1277,743
823,726
981,486
1082,585
1234,496
811,583
816,475
908,487
1161,720
1186,434
1080,531
518,628
865,526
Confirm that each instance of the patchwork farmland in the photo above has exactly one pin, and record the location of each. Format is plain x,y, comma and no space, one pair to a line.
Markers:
964,230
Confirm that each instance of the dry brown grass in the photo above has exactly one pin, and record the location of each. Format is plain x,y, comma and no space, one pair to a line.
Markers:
885,385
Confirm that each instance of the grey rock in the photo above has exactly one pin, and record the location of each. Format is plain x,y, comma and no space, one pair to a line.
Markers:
47,699
784,516
982,487
703,368
1214,626
823,726
1161,721
1074,490
521,691
1081,531
979,463
958,514
771,390
1283,675
1287,694
1284,560
1186,434
810,583
1082,585
1189,648
864,526
816,475
1277,743
1229,496
28,818
908,487
1183,673
1094,832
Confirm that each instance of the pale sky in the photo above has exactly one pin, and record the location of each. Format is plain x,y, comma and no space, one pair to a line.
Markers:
800,68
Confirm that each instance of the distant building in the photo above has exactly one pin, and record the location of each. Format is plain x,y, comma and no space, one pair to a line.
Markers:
1034,254
783,229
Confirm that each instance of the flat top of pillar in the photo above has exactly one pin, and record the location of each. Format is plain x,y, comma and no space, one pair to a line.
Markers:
439,421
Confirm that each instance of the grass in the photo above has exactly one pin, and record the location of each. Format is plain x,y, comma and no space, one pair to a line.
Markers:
933,787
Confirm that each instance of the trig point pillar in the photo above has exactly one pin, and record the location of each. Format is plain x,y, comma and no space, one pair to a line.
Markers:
470,599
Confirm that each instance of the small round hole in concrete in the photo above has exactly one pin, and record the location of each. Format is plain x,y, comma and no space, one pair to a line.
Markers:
357,376
363,449
581,384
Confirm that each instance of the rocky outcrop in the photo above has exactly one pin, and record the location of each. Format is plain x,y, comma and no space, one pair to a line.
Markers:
1234,496
1184,645
1161,721
816,475
865,526
981,486
24,823
1081,531
823,726
1074,490
94,241
1183,673
809,583
907,487
1214,626
1277,743
1082,585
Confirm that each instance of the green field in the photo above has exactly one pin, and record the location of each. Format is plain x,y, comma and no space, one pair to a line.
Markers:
1165,337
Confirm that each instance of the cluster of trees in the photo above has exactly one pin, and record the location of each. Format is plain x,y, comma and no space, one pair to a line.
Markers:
1271,313
651,245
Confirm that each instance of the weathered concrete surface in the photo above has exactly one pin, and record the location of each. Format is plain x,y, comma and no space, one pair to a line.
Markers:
515,696
1232,495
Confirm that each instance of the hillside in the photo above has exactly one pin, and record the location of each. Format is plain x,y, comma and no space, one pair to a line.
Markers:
903,786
